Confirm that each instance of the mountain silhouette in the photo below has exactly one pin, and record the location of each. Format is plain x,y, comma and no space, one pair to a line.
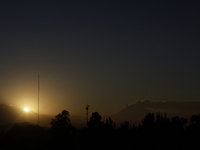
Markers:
12,114
135,112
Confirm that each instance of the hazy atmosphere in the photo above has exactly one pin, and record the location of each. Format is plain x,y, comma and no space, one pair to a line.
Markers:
103,53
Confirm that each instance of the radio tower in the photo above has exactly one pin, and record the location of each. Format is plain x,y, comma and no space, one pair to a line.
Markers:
38,96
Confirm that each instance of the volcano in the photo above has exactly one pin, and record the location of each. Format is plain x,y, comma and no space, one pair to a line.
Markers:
134,113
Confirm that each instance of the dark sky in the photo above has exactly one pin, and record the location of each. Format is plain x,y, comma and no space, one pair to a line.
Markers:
104,53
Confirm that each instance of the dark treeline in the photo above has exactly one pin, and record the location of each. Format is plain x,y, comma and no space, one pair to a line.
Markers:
155,132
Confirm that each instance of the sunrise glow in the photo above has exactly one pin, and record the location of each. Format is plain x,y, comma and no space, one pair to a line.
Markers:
26,109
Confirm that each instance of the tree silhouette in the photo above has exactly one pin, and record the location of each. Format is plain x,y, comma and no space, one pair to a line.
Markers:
95,121
61,121
195,119
178,123
62,131
148,121
61,125
110,124
162,121
156,132
125,125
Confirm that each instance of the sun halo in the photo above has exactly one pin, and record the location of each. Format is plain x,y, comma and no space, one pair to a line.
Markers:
26,109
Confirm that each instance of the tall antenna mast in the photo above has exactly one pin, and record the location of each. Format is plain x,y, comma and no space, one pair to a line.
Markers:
38,96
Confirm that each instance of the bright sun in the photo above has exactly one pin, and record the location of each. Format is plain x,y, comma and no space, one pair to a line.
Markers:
26,109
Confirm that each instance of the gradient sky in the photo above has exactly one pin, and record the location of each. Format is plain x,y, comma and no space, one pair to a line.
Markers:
107,53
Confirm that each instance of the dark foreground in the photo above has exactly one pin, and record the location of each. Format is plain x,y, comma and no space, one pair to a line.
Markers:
156,132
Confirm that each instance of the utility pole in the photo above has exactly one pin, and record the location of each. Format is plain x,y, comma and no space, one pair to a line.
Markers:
87,107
